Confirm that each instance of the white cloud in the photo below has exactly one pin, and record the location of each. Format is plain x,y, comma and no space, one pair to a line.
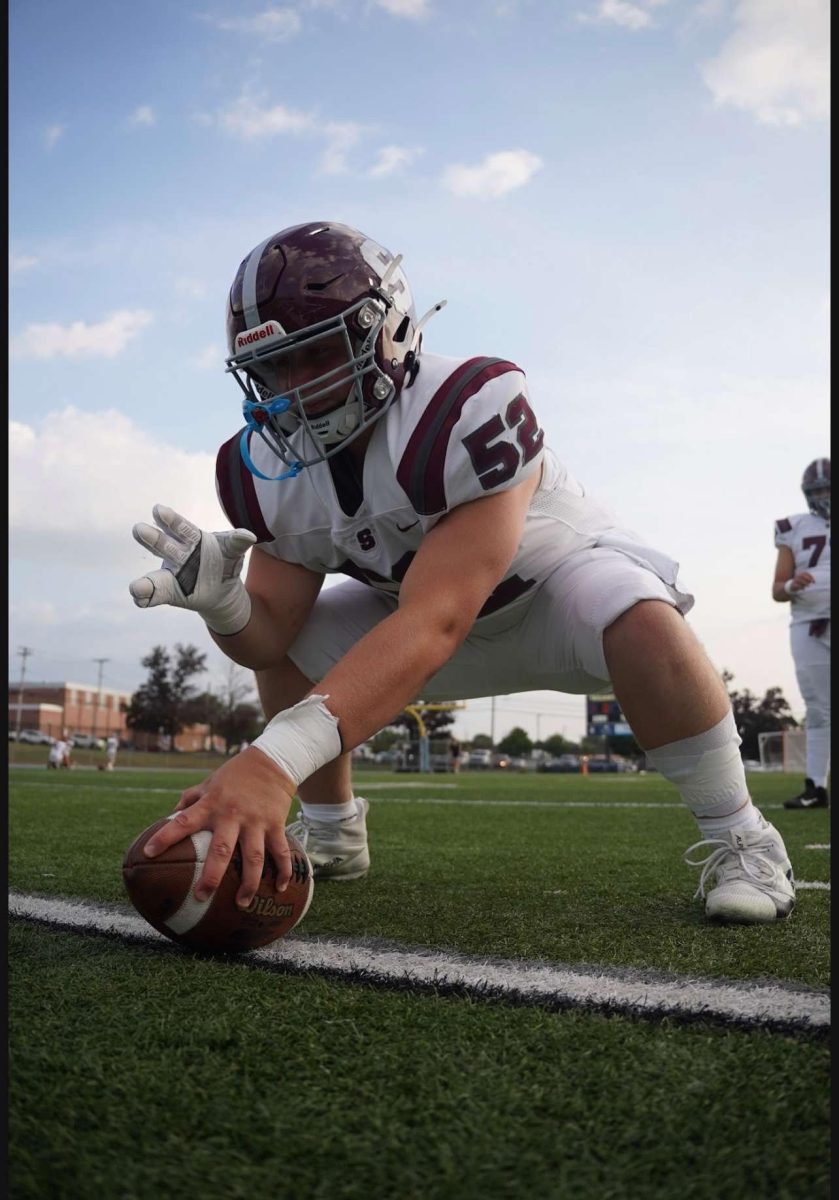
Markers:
498,174
392,158
776,63
340,136
52,135
617,12
21,262
272,24
413,9
106,339
143,115
73,458
251,120
210,358
190,289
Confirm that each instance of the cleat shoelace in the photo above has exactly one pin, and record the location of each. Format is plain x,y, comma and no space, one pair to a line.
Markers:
750,865
299,829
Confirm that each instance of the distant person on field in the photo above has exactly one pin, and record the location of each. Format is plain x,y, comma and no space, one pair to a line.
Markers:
454,751
59,754
478,566
111,748
802,579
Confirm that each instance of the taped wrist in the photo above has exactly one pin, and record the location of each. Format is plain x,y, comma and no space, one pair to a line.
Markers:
301,739
788,587
707,769
232,615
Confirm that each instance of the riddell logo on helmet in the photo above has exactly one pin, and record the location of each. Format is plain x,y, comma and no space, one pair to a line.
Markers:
266,332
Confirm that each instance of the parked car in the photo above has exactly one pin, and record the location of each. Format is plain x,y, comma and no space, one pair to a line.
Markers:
566,764
35,737
506,762
479,758
12,735
86,741
611,765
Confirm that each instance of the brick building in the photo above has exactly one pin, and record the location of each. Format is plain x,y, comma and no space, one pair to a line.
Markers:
68,708
74,707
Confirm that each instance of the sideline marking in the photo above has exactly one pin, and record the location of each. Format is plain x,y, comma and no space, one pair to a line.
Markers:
648,994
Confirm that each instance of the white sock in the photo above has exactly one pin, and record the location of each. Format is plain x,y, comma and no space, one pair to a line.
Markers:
708,771
329,812
818,754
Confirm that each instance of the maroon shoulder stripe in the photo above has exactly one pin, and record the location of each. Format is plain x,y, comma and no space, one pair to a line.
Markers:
422,467
783,526
237,492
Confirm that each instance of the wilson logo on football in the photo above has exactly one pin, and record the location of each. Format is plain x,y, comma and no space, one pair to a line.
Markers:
263,906
261,333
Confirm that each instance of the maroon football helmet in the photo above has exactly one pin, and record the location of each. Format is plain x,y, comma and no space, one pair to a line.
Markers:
815,485
320,289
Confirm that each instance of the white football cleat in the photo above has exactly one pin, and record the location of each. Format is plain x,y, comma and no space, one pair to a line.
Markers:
753,874
336,849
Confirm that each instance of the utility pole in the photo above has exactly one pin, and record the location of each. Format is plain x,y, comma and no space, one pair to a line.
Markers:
24,653
101,662
492,724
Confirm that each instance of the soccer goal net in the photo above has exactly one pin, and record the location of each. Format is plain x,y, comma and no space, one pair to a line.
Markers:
785,750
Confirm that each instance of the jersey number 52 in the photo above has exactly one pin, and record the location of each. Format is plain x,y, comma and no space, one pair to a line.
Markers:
497,461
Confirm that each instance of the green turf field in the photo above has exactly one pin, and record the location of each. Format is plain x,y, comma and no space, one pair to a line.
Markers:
139,1070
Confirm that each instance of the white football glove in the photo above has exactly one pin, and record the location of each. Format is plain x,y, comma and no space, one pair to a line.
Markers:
200,570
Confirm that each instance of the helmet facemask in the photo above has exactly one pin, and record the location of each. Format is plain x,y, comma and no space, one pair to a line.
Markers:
262,373
818,501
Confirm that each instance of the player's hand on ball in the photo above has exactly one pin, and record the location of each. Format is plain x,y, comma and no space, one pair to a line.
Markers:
200,570
247,800
800,581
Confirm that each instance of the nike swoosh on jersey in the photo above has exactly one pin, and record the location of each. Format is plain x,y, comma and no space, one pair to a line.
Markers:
403,528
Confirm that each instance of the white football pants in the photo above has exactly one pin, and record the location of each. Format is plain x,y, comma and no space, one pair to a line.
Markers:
551,640
811,656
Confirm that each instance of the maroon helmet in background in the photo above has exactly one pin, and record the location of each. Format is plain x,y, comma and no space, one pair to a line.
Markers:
308,287
815,484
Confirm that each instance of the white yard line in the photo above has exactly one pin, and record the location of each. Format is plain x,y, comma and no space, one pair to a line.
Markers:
632,992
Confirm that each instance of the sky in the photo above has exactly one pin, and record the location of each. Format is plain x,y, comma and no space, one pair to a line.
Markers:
627,198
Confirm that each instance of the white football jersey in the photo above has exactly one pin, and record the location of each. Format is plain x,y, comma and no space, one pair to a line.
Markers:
464,429
808,537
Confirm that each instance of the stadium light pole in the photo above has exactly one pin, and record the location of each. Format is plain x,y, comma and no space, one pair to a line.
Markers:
24,653
101,662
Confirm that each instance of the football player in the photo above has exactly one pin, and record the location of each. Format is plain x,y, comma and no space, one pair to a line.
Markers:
802,579
477,565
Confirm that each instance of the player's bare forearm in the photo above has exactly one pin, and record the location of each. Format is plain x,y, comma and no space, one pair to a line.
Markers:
456,569
282,595
385,671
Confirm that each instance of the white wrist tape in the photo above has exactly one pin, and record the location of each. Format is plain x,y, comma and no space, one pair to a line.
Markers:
301,739
233,615
788,587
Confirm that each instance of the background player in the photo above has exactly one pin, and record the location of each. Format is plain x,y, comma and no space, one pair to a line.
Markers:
802,579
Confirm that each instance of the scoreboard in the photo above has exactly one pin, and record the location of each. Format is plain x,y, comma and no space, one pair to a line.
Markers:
604,717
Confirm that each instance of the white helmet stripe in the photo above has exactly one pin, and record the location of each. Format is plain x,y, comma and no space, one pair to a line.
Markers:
249,304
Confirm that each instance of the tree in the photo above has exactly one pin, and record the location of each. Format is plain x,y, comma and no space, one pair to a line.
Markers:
753,716
554,745
517,743
161,704
481,741
240,724
434,721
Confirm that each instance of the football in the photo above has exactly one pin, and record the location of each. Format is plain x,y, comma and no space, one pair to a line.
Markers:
161,890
